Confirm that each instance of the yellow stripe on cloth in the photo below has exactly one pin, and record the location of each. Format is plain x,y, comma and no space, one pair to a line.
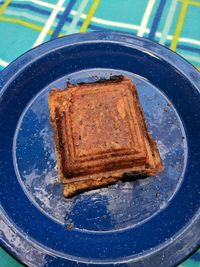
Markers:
192,3
90,14
179,25
23,23
4,6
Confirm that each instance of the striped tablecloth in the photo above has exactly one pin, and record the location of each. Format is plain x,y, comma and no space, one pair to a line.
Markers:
25,24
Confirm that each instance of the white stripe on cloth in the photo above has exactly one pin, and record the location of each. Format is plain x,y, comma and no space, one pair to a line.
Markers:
109,22
186,40
145,18
3,63
24,14
49,23
181,39
41,3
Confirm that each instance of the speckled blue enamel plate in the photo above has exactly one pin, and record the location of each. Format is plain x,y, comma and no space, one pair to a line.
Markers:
149,222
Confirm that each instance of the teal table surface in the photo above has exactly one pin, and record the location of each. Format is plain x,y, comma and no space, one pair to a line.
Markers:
173,23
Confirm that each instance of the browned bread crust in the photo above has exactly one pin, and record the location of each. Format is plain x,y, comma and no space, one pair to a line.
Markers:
100,133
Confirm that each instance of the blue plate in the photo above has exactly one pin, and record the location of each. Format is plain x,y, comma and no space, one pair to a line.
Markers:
149,222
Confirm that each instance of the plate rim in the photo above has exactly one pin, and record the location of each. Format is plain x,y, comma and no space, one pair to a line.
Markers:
20,63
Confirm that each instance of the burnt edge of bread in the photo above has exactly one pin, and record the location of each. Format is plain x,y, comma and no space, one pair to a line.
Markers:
91,181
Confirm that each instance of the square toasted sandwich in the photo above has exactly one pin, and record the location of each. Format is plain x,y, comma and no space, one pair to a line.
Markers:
100,134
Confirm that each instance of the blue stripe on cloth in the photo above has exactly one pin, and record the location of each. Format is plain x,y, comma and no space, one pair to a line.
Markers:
63,18
30,7
189,48
157,19
186,47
